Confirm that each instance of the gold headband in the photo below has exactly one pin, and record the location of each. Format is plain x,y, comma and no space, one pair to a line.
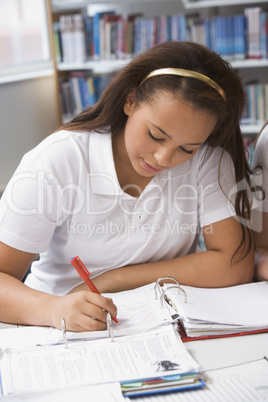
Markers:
186,73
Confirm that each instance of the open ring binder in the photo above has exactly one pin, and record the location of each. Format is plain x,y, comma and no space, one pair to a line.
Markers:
163,293
157,286
64,334
110,327
164,296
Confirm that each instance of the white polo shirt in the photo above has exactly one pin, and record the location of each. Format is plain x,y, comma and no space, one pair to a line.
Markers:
65,200
261,159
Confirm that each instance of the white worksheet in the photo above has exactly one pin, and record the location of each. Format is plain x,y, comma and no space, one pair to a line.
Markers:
138,311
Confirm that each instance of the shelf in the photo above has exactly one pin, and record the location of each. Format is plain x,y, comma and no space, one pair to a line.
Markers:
98,66
249,63
68,5
251,129
59,6
107,66
220,3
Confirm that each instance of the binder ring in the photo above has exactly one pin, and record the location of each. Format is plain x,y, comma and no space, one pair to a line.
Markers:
172,287
156,286
110,327
64,334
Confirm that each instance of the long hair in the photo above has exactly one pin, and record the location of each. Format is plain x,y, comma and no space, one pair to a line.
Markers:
108,114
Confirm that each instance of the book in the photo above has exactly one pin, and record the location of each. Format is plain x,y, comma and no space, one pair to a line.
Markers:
256,111
241,309
66,33
264,34
240,43
109,46
67,103
245,382
146,363
88,27
57,41
253,32
98,33
79,40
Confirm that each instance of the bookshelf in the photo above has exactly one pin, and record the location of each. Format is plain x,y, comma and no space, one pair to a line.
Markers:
251,69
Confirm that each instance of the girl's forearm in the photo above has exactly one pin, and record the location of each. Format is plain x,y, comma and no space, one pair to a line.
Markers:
205,269
23,305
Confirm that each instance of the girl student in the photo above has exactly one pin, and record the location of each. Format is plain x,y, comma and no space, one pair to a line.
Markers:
261,230
128,185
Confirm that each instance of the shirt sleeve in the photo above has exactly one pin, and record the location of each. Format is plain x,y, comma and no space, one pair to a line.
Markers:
38,198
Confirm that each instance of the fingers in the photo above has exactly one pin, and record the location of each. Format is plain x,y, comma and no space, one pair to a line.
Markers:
105,303
85,311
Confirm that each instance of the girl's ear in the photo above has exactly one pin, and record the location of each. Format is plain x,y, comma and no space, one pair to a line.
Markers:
130,103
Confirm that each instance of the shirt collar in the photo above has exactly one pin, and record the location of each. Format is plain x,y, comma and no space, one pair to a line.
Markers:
102,169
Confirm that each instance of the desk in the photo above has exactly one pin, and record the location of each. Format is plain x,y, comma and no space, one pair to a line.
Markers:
225,355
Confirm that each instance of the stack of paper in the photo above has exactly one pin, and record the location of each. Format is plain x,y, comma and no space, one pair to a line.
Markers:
221,311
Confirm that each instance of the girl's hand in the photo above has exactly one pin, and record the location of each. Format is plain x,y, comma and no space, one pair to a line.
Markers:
82,311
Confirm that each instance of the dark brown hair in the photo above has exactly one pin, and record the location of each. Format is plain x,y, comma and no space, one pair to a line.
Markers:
108,114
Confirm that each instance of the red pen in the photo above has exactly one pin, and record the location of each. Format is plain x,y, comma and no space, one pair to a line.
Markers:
85,275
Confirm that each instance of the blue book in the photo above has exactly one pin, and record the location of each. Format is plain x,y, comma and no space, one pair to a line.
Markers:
264,34
148,30
88,24
137,35
224,29
158,30
96,32
219,35
229,34
91,92
182,28
207,25
213,34
83,91
168,28
240,41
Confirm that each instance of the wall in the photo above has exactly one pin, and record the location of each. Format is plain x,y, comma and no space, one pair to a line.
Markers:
28,113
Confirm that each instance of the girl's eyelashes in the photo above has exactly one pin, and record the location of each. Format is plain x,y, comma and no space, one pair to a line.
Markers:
185,150
154,138
162,140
